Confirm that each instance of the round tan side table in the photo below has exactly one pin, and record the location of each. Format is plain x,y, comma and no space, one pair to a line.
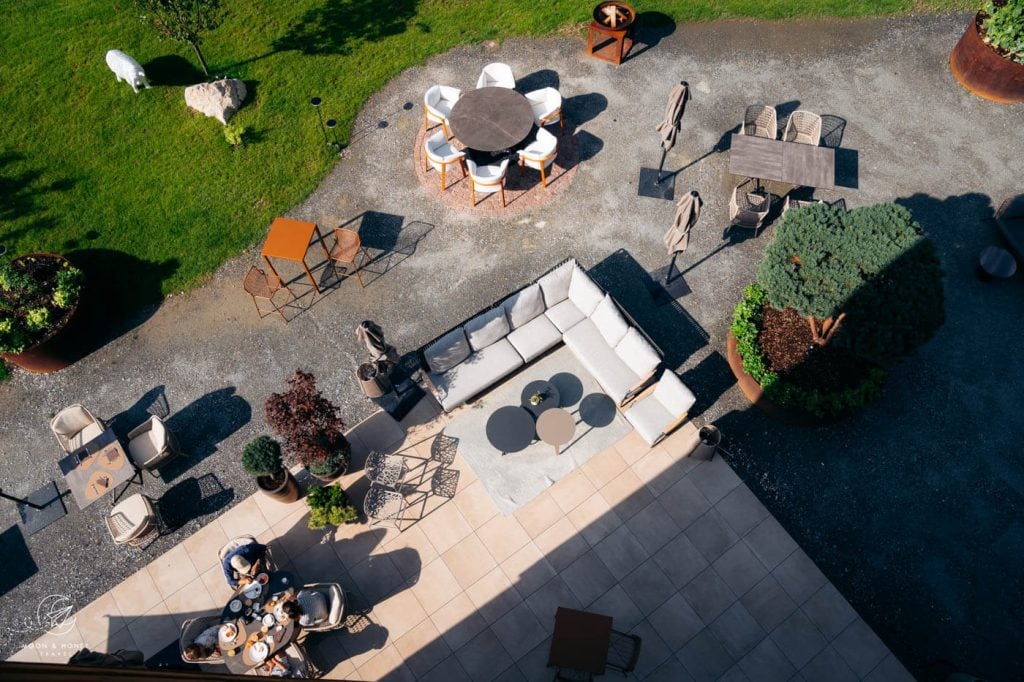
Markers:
556,427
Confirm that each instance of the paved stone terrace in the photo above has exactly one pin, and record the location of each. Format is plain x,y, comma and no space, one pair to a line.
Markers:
911,508
677,551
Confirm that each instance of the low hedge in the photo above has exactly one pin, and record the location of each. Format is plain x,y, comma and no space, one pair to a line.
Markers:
746,325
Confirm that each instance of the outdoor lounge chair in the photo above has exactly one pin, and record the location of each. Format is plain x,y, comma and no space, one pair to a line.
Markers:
749,209
191,629
496,75
437,106
151,443
75,426
335,597
487,179
659,413
760,121
439,153
133,521
259,284
803,127
547,106
539,154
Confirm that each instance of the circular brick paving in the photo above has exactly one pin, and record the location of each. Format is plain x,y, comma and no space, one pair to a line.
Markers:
522,191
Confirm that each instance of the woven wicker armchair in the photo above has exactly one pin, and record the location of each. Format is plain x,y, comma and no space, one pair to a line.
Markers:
798,203
134,521
760,121
191,629
803,127
335,597
74,426
749,208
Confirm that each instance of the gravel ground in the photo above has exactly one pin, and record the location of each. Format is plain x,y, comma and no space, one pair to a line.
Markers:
912,508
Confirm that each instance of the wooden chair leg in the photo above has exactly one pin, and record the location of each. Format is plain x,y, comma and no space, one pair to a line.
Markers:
521,165
543,179
501,188
472,192
444,127
561,122
443,166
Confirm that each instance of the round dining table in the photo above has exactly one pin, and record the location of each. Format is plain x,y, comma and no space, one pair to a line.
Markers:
248,621
491,119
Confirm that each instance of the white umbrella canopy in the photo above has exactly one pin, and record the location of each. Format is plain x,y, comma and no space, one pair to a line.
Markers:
687,213
668,129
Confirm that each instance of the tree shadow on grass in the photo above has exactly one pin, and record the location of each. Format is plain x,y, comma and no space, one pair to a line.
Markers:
338,25
172,70
23,192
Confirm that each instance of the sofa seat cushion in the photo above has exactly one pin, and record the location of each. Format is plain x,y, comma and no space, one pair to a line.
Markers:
649,417
447,351
476,373
91,430
486,328
524,306
535,337
565,315
555,284
598,358
583,292
637,352
609,321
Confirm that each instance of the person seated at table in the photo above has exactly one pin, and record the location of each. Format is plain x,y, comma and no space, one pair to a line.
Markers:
242,564
308,607
204,645
279,665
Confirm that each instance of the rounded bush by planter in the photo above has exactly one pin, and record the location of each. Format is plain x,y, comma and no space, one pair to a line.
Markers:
262,459
989,67
39,296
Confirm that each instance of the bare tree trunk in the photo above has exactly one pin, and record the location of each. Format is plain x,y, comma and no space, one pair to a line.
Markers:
199,54
829,327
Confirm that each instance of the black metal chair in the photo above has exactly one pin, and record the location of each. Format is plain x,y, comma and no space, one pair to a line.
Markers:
623,652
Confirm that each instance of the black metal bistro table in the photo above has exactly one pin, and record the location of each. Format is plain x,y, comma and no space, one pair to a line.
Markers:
548,394
491,119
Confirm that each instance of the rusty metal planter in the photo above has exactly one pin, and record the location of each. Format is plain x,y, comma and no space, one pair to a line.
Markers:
983,71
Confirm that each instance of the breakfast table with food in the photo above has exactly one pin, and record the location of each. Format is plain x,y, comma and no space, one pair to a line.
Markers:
255,627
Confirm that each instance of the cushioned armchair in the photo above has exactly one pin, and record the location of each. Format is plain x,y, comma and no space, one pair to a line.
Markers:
191,629
659,413
151,444
539,154
487,179
760,121
440,154
748,208
803,127
75,426
335,597
437,106
547,106
496,75
133,521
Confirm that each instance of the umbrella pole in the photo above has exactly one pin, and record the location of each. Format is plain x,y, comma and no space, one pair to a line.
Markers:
671,264
661,164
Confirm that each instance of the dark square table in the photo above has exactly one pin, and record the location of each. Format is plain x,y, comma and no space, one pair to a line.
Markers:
580,641
96,468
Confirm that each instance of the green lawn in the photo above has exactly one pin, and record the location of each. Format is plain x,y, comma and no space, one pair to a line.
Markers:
148,195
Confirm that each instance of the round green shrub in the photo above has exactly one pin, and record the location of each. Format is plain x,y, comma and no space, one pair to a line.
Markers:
262,457
329,506
37,319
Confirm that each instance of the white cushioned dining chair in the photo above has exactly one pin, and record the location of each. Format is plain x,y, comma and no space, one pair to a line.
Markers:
335,599
539,154
760,121
803,127
440,154
151,443
133,521
437,106
547,106
496,75
660,412
74,426
486,179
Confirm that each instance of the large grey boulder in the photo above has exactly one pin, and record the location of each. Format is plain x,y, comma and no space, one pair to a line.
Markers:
219,99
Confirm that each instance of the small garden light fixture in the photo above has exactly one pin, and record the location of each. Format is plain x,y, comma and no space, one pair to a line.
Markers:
316,101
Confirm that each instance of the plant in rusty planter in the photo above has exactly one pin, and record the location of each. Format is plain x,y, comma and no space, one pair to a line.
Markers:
262,458
989,58
39,294
310,426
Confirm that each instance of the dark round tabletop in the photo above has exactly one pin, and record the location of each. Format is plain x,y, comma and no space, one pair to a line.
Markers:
549,396
510,428
491,119
998,262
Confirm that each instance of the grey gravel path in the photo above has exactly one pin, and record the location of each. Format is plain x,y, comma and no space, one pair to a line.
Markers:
912,508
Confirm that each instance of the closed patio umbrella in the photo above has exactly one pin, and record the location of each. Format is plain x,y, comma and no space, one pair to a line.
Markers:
372,336
669,126
678,236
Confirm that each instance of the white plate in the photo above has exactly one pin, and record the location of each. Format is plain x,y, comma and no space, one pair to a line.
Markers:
268,620
252,590
224,630
259,651
235,605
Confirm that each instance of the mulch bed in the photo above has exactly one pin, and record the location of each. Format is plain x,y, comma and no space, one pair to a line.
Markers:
790,351
522,192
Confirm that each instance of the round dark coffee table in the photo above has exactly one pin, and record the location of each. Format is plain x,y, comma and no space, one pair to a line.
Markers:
510,428
550,395
491,119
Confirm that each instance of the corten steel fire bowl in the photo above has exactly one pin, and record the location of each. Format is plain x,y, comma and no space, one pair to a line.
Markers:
611,32
614,15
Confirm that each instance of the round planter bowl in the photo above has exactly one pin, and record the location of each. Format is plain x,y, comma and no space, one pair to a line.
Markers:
334,475
983,71
285,493
754,394
54,351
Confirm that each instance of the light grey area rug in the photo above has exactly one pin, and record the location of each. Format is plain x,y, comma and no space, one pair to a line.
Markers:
515,478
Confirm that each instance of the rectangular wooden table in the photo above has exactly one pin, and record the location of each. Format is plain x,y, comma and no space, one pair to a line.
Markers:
580,641
794,163
96,468
289,239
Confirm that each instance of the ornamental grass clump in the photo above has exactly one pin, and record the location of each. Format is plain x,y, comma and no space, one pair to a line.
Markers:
310,426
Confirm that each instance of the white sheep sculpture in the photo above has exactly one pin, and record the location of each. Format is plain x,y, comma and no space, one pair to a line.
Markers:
126,69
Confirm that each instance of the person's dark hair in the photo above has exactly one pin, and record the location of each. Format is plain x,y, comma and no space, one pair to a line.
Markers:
292,609
196,652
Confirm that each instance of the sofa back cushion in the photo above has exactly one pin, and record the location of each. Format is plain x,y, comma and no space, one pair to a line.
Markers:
638,354
584,294
523,306
447,351
608,320
487,327
555,284
673,394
